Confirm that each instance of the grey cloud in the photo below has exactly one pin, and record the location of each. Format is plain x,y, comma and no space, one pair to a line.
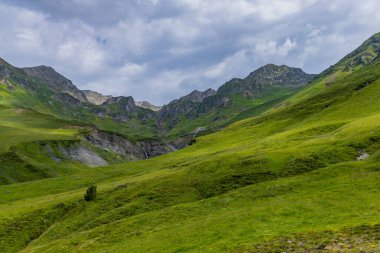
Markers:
158,50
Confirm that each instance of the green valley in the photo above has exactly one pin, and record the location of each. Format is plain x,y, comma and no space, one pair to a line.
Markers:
285,165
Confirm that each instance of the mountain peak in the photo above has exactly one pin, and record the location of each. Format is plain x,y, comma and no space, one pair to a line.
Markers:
55,80
95,98
266,76
45,73
278,75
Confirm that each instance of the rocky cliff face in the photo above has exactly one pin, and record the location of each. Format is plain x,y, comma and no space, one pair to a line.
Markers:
136,151
86,150
95,98
78,152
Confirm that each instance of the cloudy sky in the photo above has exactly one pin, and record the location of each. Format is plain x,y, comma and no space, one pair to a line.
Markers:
158,50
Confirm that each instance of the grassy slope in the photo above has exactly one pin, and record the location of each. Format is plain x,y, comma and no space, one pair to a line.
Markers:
291,171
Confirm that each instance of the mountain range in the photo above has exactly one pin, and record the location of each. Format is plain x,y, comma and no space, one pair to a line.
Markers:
278,161
54,94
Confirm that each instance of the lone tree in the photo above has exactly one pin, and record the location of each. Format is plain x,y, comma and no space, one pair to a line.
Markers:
90,193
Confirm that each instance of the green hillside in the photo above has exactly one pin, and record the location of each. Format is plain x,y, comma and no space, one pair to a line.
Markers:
300,176
20,160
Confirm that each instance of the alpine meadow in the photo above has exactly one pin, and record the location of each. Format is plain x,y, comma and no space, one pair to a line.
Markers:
278,160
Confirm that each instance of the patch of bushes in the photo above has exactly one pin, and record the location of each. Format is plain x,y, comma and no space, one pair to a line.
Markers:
302,164
90,193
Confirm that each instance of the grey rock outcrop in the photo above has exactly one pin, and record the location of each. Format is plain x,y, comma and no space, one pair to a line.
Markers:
95,98
142,149
81,154
115,143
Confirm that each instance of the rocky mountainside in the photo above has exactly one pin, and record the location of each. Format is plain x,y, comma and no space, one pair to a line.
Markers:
266,77
185,106
363,55
95,98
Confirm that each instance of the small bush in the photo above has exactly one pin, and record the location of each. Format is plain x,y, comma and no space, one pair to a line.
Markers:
90,193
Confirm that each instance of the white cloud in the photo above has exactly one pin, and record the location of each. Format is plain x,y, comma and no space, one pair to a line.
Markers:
278,9
273,48
88,57
71,44
239,9
286,47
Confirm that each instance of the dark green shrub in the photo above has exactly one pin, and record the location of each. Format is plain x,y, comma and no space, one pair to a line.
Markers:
90,193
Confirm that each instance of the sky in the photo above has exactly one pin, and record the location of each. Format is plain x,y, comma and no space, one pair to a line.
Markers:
159,50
